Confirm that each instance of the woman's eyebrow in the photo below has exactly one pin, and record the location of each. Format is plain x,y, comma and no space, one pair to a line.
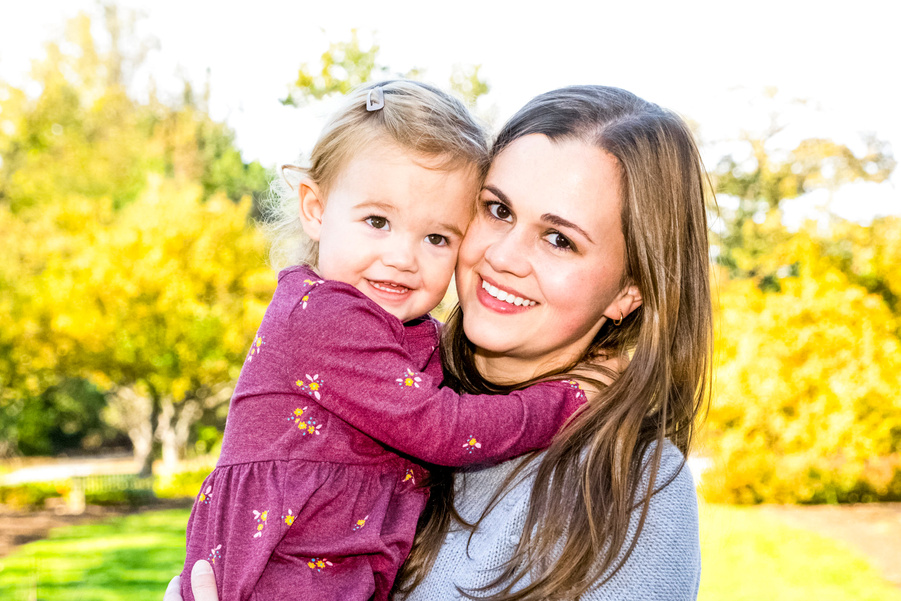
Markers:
561,222
496,191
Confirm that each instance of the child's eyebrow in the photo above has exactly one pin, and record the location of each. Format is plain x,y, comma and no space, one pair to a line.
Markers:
386,207
453,229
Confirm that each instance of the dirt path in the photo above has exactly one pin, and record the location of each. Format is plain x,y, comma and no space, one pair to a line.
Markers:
873,529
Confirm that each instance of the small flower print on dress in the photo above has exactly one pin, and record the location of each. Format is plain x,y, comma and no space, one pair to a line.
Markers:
580,394
312,386
214,554
358,525
310,427
306,297
317,563
409,379
297,417
206,495
306,425
409,477
255,347
472,443
289,519
260,517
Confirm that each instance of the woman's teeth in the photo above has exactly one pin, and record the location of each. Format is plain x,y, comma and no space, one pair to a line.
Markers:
505,296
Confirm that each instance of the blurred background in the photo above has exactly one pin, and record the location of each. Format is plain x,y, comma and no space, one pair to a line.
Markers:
138,138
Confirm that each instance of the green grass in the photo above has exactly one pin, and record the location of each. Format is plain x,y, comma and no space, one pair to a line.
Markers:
127,559
747,555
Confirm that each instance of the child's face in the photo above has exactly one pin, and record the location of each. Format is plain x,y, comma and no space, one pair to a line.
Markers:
392,227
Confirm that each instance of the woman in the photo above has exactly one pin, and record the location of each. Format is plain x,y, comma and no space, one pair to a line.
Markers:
594,209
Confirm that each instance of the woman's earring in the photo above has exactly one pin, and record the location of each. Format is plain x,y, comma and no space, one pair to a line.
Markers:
616,322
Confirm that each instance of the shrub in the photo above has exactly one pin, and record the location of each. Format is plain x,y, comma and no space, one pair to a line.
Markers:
180,485
31,495
806,405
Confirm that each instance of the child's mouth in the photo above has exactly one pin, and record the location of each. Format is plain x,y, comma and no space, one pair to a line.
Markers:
389,287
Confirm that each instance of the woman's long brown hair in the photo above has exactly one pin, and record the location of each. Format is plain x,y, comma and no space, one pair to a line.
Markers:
576,530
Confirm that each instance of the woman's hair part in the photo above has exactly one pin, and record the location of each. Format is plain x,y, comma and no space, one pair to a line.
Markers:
415,117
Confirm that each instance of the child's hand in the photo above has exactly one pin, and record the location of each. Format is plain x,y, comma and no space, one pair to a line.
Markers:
203,584
611,367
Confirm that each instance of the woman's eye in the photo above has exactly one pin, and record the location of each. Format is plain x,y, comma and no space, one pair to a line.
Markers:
379,223
499,211
558,240
436,239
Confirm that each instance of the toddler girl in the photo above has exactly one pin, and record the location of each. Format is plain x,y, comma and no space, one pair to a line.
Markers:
318,489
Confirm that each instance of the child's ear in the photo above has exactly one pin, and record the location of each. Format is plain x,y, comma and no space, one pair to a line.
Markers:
312,206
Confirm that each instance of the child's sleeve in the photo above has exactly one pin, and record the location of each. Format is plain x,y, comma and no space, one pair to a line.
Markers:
349,358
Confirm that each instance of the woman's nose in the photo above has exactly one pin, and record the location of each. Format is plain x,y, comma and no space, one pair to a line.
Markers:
509,252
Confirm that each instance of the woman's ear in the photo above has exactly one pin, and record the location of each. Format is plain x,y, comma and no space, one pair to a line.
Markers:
627,301
312,206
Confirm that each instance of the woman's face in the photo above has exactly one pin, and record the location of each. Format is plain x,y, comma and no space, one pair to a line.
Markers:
541,266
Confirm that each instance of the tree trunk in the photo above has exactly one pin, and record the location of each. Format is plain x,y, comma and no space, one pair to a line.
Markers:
132,413
174,429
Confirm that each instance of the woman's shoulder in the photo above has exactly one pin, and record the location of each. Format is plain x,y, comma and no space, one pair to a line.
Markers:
673,467
665,562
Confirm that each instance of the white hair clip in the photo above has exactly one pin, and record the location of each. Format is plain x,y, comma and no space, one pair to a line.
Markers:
375,99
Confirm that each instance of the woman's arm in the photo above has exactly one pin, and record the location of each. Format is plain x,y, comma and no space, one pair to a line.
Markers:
666,560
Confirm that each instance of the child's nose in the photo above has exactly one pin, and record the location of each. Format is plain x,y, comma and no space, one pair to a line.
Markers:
400,255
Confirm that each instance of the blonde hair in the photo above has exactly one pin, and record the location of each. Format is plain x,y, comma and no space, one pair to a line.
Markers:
416,117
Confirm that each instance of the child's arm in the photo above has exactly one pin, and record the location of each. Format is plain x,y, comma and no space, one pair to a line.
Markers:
349,359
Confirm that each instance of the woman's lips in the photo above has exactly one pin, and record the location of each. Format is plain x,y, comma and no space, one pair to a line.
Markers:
494,302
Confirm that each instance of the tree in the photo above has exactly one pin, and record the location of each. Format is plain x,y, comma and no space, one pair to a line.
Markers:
807,406
73,162
161,302
762,181
341,68
346,65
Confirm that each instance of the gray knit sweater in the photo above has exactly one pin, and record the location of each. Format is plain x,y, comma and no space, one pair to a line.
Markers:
665,565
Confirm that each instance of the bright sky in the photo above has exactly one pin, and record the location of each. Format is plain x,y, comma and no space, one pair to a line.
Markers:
709,60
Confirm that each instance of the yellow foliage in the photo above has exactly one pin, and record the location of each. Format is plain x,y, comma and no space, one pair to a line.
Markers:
807,405
168,291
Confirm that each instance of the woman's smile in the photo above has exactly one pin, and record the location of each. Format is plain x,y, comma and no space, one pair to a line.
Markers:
502,299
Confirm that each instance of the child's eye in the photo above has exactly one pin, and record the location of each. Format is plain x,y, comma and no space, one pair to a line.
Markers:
379,223
437,240
558,240
499,210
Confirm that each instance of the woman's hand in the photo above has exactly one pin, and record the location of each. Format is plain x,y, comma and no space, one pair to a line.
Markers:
203,584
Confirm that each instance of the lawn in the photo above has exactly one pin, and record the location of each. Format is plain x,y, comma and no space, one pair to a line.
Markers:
747,555
124,559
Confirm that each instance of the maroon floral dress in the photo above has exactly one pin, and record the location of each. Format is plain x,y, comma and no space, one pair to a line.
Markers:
337,408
